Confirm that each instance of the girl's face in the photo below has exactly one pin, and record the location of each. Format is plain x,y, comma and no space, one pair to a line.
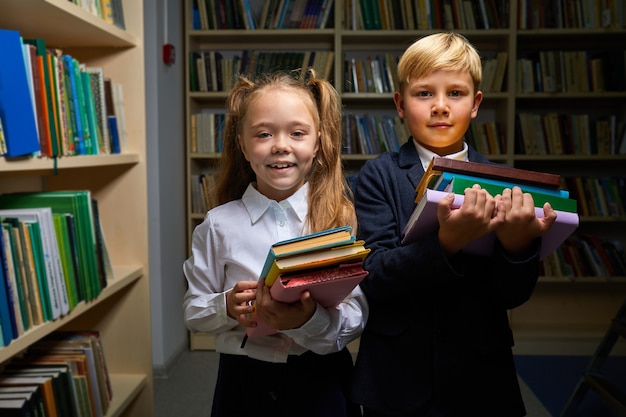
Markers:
438,109
279,138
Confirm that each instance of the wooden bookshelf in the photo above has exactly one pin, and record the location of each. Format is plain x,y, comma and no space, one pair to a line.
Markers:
558,301
121,312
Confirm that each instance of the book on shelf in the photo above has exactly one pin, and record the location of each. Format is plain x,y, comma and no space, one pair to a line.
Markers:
17,111
8,300
35,297
31,393
82,350
13,275
62,382
16,406
320,255
78,204
45,382
42,218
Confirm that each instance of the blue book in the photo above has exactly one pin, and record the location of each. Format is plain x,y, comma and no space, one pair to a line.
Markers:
16,107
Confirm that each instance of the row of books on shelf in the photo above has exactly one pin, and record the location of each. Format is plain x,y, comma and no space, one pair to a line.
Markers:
488,138
604,196
378,73
586,256
373,74
203,196
53,256
575,71
569,134
64,374
217,71
207,132
111,11
364,134
426,14
368,134
567,14
271,14
53,105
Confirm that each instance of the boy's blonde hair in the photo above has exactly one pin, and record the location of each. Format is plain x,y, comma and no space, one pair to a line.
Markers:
330,203
439,51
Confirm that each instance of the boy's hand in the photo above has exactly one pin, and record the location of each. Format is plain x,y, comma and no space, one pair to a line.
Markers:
521,226
476,217
283,316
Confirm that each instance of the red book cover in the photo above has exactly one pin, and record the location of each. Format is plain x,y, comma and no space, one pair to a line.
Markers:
328,286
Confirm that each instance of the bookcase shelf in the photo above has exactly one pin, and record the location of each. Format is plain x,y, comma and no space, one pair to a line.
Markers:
501,106
121,312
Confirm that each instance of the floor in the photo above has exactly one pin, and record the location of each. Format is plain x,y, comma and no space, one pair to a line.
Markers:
188,387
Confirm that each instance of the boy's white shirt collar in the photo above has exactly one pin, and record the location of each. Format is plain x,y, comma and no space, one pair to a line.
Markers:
426,155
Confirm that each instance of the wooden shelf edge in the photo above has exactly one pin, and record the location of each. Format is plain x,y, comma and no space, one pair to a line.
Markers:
42,18
125,387
124,276
37,164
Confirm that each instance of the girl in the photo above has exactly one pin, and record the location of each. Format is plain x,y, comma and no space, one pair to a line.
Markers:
281,177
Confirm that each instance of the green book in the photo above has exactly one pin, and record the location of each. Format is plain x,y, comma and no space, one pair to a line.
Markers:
66,254
458,185
78,204
47,291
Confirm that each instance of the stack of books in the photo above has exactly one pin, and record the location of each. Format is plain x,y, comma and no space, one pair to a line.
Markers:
445,176
328,264
53,256
64,374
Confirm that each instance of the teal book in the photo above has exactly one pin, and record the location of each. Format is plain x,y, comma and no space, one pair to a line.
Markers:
455,183
307,243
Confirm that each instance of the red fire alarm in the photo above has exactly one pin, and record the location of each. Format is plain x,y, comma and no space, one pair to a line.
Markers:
169,54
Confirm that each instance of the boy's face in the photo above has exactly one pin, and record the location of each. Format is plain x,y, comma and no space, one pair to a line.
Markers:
438,108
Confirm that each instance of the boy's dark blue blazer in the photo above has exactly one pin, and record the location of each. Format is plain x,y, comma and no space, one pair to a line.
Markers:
437,336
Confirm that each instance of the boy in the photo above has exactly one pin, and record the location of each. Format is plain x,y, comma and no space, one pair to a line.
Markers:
437,341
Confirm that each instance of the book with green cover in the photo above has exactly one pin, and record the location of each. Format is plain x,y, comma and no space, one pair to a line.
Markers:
457,184
67,256
78,204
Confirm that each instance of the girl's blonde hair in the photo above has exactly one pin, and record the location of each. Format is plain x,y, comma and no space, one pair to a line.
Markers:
439,51
330,203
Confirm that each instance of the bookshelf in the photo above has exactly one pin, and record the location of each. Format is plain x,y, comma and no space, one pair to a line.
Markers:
563,308
121,312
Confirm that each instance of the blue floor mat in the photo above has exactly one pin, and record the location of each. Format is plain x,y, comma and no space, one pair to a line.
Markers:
553,380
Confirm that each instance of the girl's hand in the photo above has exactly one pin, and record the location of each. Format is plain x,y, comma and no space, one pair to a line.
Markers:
240,300
283,316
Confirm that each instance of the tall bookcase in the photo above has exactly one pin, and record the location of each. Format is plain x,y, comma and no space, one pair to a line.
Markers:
573,310
119,183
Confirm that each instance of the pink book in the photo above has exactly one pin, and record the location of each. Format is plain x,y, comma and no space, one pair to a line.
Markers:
328,286
424,220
